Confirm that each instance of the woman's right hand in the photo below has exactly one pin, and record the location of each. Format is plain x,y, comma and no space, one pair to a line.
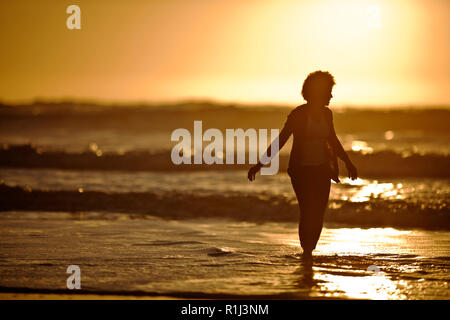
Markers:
253,171
352,172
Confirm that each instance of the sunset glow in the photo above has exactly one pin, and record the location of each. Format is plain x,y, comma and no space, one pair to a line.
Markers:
380,52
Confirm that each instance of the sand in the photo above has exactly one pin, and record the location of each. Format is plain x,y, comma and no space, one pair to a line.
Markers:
154,258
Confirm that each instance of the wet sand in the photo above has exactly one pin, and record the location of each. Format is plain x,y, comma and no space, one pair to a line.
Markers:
126,258
62,296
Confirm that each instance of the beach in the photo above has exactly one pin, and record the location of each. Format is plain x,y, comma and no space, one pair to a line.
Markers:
212,259
107,199
149,150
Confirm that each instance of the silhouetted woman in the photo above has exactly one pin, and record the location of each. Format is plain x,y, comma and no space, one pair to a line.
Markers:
313,159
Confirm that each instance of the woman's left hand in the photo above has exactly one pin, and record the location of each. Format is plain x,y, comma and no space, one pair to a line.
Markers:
253,171
352,172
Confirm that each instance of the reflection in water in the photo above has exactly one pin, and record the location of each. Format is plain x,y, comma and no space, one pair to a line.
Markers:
360,286
323,278
361,146
368,190
376,263
357,241
377,190
306,279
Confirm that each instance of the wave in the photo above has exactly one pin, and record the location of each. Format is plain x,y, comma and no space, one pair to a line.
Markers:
381,164
174,205
163,117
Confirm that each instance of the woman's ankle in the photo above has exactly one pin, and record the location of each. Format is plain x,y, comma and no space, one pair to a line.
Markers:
307,253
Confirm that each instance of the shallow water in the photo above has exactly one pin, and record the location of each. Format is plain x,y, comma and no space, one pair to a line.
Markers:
220,182
407,202
218,258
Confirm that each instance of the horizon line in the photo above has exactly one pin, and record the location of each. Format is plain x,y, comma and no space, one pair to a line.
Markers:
212,101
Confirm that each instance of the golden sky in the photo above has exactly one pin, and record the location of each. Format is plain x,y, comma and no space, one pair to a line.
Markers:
381,52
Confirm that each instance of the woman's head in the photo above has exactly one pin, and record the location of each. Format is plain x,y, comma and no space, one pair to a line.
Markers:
317,87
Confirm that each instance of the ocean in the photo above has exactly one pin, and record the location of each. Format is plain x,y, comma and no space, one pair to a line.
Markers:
94,186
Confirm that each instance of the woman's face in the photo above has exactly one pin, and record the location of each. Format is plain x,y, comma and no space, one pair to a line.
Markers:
320,96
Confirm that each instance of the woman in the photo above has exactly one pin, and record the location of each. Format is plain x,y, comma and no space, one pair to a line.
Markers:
313,159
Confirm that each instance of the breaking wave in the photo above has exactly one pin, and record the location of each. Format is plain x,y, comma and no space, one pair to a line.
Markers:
174,205
385,163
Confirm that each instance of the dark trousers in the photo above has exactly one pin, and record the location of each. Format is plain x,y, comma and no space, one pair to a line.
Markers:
312,188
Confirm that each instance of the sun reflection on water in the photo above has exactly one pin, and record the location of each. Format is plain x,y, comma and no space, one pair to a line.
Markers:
361,146
377,287
358,263
373,190
361,241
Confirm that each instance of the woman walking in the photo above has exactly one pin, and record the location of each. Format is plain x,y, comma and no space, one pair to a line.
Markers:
313,158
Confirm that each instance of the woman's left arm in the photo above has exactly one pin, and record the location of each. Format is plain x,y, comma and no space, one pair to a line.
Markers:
337,147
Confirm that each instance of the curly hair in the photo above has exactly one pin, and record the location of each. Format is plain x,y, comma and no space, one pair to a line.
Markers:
317,79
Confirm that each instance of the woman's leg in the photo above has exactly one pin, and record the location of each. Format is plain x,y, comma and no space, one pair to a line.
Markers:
319,204
312,189
301,187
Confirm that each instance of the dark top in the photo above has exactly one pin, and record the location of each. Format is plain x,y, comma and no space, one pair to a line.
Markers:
296,125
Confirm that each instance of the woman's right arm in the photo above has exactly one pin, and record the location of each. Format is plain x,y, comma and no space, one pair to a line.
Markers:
282,138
